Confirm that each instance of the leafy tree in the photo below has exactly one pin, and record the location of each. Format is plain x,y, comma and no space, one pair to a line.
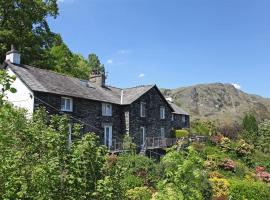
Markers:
263,141
95,64
5,84
183,172
250,123
24,23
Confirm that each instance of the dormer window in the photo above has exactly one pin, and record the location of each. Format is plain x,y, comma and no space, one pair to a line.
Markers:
142,109
162,112
66,104
106,109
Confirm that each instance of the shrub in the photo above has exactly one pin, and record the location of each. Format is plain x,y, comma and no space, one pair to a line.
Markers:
216,139
243,148
215,174
241,170
220,187
131,181
230,131
262,174
225,144
181,133
263,142
139,193
245,189
228,164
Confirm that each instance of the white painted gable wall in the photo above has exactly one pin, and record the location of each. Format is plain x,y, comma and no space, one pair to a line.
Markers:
22,98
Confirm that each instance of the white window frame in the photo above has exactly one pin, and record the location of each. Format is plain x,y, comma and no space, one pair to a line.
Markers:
162,132
162,112
142,128
183,119
108,136
64,107
142,109
106,109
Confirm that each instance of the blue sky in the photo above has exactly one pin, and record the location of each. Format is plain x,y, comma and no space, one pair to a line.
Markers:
172,43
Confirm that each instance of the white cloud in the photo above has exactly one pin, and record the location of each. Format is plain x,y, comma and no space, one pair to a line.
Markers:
237,86
141,75
110,61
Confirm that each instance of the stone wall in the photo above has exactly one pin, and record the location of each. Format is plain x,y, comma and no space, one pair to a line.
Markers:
152,122
88,111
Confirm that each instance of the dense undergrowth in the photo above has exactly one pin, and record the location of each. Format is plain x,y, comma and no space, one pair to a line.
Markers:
38,162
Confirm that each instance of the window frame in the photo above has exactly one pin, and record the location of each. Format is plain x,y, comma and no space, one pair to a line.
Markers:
172,117
162,112
105,110
65,104
162,132
142,109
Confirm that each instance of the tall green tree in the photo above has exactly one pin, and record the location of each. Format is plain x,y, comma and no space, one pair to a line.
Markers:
95,64
250,123
24,23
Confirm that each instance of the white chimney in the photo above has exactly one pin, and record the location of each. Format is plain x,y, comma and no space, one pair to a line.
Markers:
13,56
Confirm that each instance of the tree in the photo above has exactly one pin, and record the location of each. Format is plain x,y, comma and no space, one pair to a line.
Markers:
24,24
94,63
5,85
250,123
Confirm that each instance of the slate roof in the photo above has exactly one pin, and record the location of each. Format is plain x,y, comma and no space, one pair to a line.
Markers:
177,109
42,80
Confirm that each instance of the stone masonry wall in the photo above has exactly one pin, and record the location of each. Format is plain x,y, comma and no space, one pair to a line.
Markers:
88,111
152,122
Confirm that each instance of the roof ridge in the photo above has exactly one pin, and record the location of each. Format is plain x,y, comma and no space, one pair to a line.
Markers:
138,86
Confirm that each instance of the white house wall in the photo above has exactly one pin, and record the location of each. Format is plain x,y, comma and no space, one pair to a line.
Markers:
24,97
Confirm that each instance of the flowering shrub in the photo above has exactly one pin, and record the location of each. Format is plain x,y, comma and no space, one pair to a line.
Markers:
225,144
228,164
243,148
220,188
262,174
216,139
215,174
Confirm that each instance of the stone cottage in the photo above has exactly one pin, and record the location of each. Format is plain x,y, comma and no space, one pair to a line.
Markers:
142,111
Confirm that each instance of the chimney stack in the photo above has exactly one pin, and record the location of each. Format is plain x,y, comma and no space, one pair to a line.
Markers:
97,77
13,56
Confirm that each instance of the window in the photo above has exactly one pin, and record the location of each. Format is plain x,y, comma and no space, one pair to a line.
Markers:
66,104
172,117
106,109
183,119
162,132
142,136
162,112
142,109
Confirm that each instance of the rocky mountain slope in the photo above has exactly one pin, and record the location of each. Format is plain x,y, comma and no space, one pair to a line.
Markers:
221,102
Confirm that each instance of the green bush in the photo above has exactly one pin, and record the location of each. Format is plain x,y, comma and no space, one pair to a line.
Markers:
246,189
181,133
139,193
220,187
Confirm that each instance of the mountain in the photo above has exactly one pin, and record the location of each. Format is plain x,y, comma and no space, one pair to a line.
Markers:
221,102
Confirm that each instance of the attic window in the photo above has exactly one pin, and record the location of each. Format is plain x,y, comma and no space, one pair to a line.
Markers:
66,104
